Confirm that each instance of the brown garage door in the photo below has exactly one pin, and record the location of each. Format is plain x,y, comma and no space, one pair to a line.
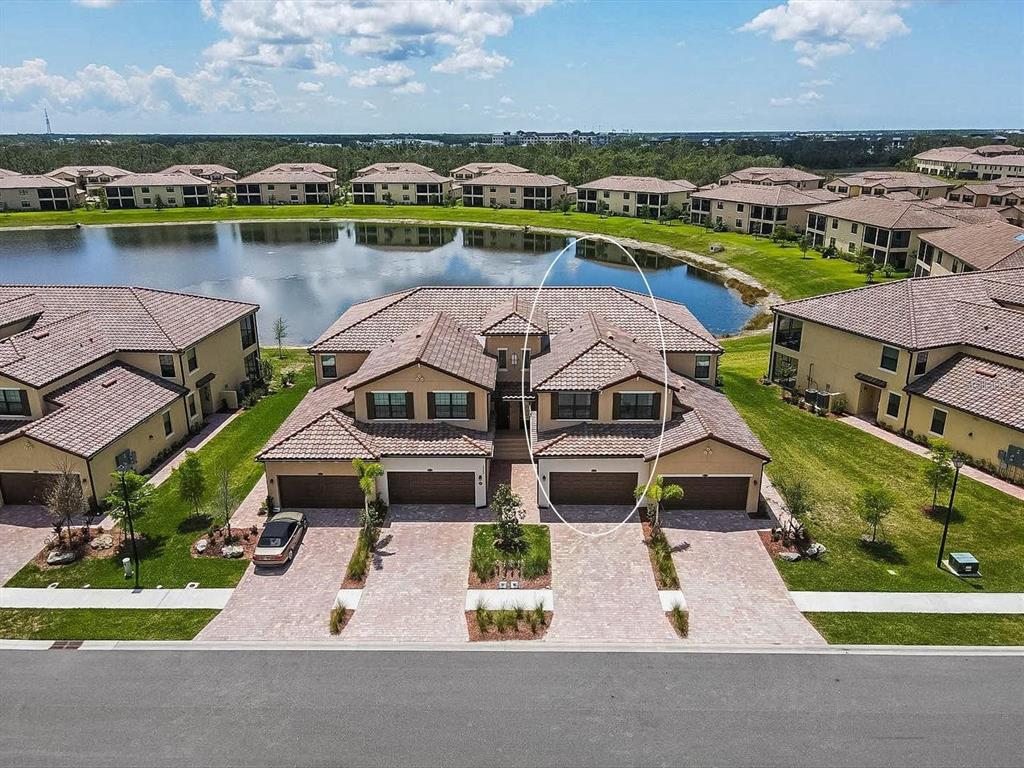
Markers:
320,492
431,487
24,487
710,492
592,487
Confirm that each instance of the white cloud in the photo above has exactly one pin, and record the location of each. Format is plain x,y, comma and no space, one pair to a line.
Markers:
474,62
465,108
308,87
369,106
97,3
821,29
680,43
505,99
393,75
411,87
821,83
206,8
807,97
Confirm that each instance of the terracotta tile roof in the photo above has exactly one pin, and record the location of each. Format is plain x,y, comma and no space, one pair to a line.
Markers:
90,170
158,180
313,406
969,215
992,245
438,342
30,181
512,317
689,186
199,169
518,179
927,312
401,177
314,167
637,184
887,214
100,408
993,188
592,354
783,195
48,352
905,195
947,155
759,175
18,308
482,168
285,177
4,173
380,167
368,325
980,387
892,180
1008,161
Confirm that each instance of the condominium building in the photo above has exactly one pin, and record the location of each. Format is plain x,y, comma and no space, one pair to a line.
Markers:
532,191
888,183
996,161
221,178
401,188
792,177
473,170
285,187
393,167
633,195
994,193
158,190
973,247
533,138
28,192
88,177
756,209
323,170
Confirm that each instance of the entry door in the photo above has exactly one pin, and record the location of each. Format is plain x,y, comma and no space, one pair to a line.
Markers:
502,414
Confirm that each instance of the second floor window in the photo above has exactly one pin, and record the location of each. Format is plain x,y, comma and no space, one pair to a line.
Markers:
390,405
13,402
248,326
191,359
788,333
167,366
635,405
890,359
451,405
168,424
573,405
921,365
526,359
329,367
502,359
702,367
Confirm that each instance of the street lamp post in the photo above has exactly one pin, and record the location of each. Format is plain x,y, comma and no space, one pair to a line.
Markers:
958,462
126,466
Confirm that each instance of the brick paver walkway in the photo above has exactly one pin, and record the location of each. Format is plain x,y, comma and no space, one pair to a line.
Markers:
294,602
214,424
604,587
416,591
733,591
23,531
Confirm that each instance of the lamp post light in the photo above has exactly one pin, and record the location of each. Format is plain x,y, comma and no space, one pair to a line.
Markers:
958,463
123,468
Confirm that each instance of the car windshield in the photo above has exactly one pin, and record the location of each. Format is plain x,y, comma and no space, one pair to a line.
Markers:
276,533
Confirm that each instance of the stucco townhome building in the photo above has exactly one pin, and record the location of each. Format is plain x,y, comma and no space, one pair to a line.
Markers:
27,192
433,383
396,166
995,161
626,195
887,182
473,170
411,187
756,209
88,373
991,245
220,177
523,189
286,186
88,177
150,190
932,357
323,170
793,177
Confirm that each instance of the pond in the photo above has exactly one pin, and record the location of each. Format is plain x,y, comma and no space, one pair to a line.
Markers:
310,272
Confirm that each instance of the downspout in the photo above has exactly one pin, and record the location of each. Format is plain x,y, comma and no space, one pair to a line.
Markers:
771,347
92,483
906,414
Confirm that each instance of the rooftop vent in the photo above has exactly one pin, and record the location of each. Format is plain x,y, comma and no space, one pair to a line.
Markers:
985,372
40,335
108,383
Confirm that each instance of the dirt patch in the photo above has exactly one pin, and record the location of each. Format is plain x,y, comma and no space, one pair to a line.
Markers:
775,547
514,629
82,549
659,553
246,538
513,574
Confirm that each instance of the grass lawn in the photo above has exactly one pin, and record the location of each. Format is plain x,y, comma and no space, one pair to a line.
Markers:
780,269
102,623
919,628
835,461
166,557
483,559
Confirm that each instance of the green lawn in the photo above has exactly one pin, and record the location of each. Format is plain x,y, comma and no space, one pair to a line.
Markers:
102,623
919,628
484,557
166,558
780,269
836,460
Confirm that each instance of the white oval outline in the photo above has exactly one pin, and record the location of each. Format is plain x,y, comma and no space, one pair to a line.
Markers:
666,407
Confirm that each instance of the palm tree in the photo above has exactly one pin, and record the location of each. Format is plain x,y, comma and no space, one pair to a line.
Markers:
367,472
656,495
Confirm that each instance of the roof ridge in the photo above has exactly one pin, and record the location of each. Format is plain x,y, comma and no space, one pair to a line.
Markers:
132,290
356,435
396,296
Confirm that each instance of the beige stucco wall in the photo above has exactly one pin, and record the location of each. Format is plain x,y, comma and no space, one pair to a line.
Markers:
723,460
624,203
848,237
685,364
604,403
979,438
221,354
505,197
730,212
405,194
26,455
515,345
420,379
347,363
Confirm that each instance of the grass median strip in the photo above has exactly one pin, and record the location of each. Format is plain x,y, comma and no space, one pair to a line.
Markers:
919,628
102,623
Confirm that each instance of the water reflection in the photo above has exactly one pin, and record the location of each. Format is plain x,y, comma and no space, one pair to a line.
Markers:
310,272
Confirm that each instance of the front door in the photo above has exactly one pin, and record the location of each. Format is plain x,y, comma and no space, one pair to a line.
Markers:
867,403
206,399
502,414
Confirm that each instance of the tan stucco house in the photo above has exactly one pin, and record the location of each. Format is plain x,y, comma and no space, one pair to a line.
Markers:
88,177
397,166
90,372
473,170
221,178
768,177
286,187
522,189
932,357
411,187
433,383
991,245
756,209
994,161
29,192
629,195
888,182
151,190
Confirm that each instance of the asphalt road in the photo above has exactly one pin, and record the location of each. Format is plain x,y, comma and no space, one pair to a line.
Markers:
280,708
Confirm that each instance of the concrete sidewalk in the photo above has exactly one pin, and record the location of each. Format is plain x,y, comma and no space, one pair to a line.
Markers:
215,423
11,597
910,602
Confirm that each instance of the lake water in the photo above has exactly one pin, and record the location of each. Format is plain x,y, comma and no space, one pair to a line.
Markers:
310,272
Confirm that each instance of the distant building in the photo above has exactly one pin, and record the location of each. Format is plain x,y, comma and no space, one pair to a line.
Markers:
401,187
532,191
473,170
220,177
292,186
532,138
971,248
888,182
38,193
756,209
627,195
88,177
384,167
773,177
994,161
154,190
323,170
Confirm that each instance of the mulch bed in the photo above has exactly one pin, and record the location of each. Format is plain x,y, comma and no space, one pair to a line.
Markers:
680,635
521,632
648,529
541,582
774,548
243,537
82,549
346,616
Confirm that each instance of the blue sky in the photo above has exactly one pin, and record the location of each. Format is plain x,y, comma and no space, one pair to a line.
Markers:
230,66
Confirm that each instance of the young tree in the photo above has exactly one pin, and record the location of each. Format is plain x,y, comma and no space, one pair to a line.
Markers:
602,208
804,245
656,495
280,333
874,504
140,493
388,199
158,203
63,499
191,481
797,496
938,473
671,213
643,211
508,514
224,497
565,205
367,472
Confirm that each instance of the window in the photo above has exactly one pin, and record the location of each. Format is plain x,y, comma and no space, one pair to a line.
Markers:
168,424
636,405
921,364
167,366
329,366
851,247
718,204
784,370
890,359
938,422
625,196
739,207
389,405
739,224
788,333
252,366
248,326
191,359
853,228
526,359
14,402
835,223
451,405
892,407
573,405
125,458
502,359
702,367
191,400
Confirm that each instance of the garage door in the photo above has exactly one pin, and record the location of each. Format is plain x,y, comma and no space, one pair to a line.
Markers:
24,487
320,492
431,487
710,492
592,487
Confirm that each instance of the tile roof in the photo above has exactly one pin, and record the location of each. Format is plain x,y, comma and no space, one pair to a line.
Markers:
285,177
947,155
518,179
685,184
367,325
90,170
756,174
199,169
650,184
484,168
996,188
439,343
990,245
511,318
401,177
99,408
157,180
5,173
979,387
892,180
314,167
887,214
998,149
969,215
19,307
382,167
31,181
759,194
926,312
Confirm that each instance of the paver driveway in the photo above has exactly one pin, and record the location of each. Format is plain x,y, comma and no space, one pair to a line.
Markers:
733,591
293,602
23,531
416,591
603,586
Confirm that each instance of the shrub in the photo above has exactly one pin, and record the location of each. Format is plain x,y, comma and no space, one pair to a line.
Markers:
359,563
680,619
661,555
337,616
